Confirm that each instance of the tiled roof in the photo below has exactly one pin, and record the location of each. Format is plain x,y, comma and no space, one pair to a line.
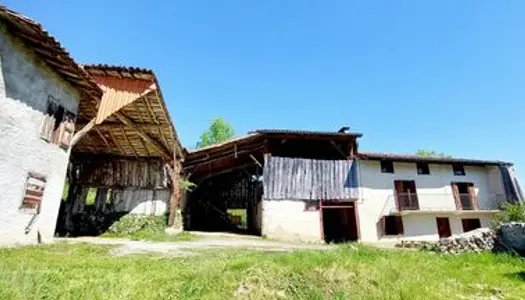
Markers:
120,71
429,159
34,36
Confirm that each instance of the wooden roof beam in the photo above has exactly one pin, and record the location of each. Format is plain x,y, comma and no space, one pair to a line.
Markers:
128,122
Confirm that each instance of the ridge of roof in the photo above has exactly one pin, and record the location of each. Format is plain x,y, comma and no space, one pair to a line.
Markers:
436,159
118,68
35,36
305,132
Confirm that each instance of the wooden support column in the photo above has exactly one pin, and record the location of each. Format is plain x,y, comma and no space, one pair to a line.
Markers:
174,207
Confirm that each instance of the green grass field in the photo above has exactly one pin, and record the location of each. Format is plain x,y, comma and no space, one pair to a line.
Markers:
81,271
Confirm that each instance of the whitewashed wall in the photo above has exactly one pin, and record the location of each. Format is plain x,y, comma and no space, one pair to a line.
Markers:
142,201
288,220
25,85
434,193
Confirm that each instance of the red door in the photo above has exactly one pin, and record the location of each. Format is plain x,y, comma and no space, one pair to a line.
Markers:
443,226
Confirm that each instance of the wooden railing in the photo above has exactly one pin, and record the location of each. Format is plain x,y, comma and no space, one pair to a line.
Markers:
407,201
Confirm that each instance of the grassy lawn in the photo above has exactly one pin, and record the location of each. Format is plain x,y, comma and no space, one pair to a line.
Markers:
82,271
153,235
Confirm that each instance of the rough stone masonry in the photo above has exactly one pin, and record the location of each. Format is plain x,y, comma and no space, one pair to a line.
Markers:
509,237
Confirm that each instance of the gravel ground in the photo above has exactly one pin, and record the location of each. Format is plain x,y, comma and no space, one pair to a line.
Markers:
125,247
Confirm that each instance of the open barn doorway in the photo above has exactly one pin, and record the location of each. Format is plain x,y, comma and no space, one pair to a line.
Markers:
339,221
229,202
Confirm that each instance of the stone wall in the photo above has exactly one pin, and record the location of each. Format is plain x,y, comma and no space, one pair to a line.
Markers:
25,85
508,237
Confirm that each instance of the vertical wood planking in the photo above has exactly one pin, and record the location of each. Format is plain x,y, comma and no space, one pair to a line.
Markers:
308,179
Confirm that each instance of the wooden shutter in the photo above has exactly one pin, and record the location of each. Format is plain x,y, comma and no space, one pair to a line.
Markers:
399,225
398,184
67,129
455,193
34,192
382,226
48,121
472,195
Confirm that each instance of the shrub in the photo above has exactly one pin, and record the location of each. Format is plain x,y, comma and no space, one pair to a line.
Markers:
510,212
132,224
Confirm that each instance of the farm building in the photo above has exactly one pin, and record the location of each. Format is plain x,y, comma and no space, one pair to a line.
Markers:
103,130
126,156
41,90
289,184
317,186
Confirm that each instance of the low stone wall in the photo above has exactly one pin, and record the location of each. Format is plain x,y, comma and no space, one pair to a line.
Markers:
509,237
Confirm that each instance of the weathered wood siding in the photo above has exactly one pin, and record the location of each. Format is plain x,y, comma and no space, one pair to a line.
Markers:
145,173
309,179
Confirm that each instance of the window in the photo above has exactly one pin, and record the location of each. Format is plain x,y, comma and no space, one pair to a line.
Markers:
470,224
465,195
58,124
406,195
423,169
458,170
392,225
387,166
33,192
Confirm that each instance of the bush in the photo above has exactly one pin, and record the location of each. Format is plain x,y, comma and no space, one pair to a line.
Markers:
510,212
132,224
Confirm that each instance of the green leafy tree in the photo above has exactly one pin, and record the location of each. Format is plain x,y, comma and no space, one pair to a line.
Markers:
509,212
433,153
218,132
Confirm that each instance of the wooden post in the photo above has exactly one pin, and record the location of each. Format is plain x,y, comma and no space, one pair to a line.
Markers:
175,195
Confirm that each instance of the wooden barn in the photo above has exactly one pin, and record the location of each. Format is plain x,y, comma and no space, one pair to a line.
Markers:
126,153
284,184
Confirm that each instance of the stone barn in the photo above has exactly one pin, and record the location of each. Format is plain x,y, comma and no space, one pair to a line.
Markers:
41,90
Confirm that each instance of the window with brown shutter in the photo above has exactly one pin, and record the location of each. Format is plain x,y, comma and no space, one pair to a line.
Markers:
465,195
33,193
49,121
406,195
66,130
58,124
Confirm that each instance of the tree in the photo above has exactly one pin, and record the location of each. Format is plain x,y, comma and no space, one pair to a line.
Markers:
431,153
218,132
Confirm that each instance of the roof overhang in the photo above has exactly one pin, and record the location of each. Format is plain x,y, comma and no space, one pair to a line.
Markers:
131,119
49,50
446,212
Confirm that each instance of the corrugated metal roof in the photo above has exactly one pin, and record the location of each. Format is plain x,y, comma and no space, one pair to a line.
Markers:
429,159
34,36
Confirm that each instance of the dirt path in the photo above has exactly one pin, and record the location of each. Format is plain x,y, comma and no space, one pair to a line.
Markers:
125,247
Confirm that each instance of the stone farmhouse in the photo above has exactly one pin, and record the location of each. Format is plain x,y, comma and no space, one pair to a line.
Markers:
84,145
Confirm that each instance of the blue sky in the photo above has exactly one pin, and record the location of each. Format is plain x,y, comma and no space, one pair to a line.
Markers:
443,75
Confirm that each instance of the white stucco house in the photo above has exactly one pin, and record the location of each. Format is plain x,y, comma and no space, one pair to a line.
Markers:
40,91
408,197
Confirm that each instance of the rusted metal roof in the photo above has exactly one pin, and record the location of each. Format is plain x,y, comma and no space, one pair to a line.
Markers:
47,48
427,159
